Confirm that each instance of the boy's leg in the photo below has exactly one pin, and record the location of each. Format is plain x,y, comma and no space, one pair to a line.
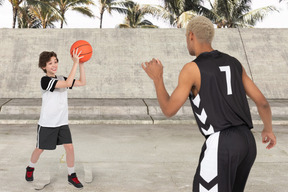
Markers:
72,177
46,139
30,168
64,137
69,155
35,156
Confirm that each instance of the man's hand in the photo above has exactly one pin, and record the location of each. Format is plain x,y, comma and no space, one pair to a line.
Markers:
154,69
268,137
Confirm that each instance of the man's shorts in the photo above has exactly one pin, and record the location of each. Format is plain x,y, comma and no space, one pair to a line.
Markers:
49,137
225,161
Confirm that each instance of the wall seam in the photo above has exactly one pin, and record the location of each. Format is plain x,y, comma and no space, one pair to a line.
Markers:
245,54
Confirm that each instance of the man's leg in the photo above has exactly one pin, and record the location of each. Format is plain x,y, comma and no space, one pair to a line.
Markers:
206,177
246,165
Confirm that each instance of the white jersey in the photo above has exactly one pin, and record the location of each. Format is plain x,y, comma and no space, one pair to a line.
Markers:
54,110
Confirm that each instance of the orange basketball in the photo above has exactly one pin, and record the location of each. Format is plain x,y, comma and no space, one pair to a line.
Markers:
84,47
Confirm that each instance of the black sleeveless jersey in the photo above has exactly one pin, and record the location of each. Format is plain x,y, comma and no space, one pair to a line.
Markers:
221,102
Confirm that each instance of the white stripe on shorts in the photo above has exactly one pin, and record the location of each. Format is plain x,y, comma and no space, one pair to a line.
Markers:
38,135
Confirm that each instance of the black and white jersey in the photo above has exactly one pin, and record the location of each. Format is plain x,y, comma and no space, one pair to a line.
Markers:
221,102
54,110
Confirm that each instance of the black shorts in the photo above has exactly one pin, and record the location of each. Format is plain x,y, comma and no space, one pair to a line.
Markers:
225,161
49,137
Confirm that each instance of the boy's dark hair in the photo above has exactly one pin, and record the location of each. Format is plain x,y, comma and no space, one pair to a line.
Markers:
44,57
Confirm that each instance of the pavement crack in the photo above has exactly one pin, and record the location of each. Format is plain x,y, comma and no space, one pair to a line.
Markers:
148,113
5,104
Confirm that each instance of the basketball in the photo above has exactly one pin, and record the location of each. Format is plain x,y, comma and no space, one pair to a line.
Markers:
84,47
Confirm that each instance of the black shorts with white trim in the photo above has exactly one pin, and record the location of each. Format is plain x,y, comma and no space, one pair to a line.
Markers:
49,137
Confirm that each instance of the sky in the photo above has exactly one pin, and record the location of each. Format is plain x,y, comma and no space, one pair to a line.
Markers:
76,20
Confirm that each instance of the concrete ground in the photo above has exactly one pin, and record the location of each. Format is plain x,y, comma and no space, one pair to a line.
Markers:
130,158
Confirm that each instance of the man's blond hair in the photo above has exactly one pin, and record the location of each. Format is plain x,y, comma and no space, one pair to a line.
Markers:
202,28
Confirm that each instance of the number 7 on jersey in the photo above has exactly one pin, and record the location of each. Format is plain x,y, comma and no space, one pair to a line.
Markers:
227,71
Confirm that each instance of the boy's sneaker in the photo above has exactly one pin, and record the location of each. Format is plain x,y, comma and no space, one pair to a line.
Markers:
73,180
29,174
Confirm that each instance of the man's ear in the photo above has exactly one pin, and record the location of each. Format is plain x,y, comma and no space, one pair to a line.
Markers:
191,35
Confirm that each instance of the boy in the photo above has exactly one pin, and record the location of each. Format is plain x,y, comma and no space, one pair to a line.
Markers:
53,126
216,85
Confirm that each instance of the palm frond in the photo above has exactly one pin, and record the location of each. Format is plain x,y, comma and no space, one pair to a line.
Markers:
148,26
258,14
118,10
184,18
123,26
84,11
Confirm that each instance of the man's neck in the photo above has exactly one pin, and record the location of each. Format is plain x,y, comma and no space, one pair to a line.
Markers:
202,48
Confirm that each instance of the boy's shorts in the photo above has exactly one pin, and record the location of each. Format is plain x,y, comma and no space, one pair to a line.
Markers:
49,137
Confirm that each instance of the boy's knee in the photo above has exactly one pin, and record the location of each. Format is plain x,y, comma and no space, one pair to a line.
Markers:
39,150
69,147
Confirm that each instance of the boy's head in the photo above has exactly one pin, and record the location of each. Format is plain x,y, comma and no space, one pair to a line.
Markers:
44,58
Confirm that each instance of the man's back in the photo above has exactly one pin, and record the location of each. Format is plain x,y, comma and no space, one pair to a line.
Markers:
221,102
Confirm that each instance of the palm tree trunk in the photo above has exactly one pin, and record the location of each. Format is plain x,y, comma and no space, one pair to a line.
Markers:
15,12
62,20
101,16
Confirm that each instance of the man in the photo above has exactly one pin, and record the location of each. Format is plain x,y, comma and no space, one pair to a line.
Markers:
216,85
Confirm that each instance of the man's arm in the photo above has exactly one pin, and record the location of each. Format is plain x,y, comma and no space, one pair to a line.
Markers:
263,108
171,104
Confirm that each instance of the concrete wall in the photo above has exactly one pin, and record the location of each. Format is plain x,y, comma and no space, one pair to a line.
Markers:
114,70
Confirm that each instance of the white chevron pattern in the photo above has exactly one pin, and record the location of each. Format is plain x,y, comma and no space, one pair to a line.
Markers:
209,163
209,131
196,101
203,116
203,189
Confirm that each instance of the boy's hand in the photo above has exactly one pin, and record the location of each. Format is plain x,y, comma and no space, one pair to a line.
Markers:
154,69
268,137
76,56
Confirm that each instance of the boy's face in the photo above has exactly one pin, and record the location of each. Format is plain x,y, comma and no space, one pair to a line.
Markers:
51,67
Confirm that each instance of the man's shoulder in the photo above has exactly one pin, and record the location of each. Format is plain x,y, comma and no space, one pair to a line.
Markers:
190,68
190,65
228,56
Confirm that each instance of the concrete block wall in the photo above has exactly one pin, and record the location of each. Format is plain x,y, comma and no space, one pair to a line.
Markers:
114,70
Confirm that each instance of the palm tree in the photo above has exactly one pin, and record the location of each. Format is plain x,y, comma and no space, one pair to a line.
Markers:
179,12
75,5
46,13
26,19
111,5
135,16
235,13
15,6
